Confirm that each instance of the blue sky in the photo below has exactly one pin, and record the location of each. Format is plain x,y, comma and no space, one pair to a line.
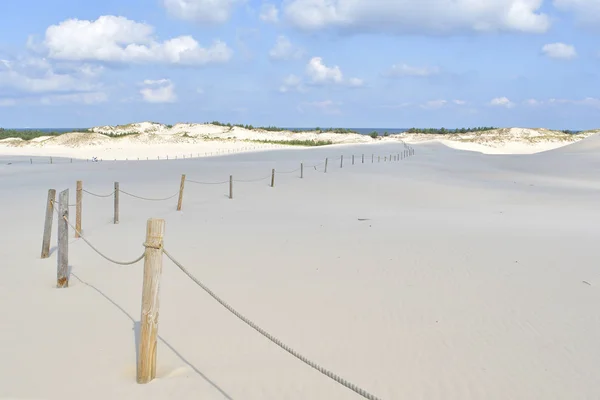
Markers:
301,63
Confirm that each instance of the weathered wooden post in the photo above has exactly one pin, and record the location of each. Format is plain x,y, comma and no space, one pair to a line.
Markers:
78,206
352,159
273,177
378,158
50,160
181,186
62,258
372,158
326,165
146,368
31,161
231,186
342,161
301,170
48,223
116,213
363,159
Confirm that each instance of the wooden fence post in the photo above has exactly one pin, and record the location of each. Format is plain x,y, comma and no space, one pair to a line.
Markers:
146,368
231,186
78,206
378,158
31,161
62,258
181,186
48,223
342,162
326,165
116,217
363,158
372,158
50,160
352,159
301,170
273,177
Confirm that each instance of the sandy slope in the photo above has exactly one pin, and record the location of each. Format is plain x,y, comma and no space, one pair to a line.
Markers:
474,277
151,140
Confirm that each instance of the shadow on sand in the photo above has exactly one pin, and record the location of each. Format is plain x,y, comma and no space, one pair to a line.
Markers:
136,331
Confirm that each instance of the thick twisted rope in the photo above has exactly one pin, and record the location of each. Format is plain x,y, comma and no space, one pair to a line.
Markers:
99,195
149,199
287,172
95,249
252,180
272,338
207,183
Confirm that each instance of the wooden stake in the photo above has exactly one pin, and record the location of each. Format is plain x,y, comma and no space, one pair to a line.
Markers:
352,159
301,170
62,258
342,162
48,223
231,186
372,158
363,158
181,186
273,177
50,160
146,368
79,198
326,165
116,217
378,158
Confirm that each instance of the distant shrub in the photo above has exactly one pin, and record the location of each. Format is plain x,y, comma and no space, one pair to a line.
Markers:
374,134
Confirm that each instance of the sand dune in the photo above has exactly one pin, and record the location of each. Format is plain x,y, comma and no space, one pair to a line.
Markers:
153,141
448,275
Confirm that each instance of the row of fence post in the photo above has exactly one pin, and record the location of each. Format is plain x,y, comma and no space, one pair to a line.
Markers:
116,193
153,254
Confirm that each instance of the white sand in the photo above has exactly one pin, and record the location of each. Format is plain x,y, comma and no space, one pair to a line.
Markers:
152,141
467,281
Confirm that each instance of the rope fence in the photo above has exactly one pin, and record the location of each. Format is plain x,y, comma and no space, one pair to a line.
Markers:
152,257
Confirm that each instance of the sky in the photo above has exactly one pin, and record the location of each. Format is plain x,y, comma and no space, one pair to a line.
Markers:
301,63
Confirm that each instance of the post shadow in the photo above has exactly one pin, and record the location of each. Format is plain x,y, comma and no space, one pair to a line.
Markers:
136,337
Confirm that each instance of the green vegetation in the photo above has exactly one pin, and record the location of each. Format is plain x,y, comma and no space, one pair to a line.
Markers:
118,135
307,143
25,134
374,134
278,129
444,131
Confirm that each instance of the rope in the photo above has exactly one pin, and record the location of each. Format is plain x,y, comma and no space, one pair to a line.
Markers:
287,172
272,338
146,198
252,180
99,195
207,183
98,251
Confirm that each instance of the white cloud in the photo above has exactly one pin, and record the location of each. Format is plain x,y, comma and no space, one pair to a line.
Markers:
586,11
434,104
588,101
7,102
269,13
118,39
37,75
79,98
559,50
292,83
533,102
407,70
409,16
502,102
325,106
285,50
459,102
321,74
210,11
158,91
